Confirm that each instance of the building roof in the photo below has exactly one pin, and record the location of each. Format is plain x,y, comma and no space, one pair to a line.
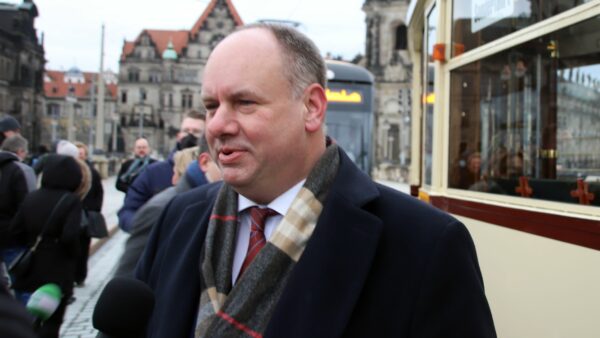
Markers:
211,6
179,38
55,85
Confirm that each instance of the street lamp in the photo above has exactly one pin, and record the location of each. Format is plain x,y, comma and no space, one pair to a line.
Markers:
71,98
142,98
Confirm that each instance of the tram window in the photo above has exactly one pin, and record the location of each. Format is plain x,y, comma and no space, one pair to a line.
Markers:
429,98
477,22
524,122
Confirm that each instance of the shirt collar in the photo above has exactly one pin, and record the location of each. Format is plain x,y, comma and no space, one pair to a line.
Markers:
281,204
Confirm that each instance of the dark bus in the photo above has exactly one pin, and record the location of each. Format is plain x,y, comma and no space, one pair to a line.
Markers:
350,110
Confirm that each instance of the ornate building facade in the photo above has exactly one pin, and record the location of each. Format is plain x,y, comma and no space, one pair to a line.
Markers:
160,75
21,68
388,59
71,102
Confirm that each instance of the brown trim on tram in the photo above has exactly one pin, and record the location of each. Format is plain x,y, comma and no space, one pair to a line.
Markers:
414,190
572,230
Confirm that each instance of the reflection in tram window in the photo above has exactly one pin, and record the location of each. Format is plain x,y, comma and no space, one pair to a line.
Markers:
477,22
531,113
429,90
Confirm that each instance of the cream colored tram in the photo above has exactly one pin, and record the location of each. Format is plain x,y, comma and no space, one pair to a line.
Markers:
506,137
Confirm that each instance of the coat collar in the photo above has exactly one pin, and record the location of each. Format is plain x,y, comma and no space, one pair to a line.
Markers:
325,284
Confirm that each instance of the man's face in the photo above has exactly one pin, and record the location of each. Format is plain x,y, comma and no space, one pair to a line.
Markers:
141,148
190,126
254,127
11,133
22,154
82,153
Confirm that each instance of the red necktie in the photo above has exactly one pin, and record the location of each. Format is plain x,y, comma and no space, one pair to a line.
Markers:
257,234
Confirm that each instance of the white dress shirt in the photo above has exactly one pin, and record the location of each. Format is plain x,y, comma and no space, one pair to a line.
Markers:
281,204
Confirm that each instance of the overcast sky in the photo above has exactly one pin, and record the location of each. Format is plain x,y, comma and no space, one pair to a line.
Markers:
72,27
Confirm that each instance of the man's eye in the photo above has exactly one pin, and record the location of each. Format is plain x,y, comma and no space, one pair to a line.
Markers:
210,108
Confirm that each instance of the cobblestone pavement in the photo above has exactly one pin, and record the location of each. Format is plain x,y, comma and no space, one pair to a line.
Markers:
101,264
78,318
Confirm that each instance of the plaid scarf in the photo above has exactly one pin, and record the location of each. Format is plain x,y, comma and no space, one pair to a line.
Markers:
246,308
135,169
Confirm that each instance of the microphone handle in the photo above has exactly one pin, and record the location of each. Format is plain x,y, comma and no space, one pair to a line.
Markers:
37,324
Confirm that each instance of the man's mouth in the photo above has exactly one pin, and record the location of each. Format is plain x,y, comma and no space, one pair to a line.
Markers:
229,155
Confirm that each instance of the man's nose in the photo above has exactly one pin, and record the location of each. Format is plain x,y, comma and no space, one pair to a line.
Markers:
222,122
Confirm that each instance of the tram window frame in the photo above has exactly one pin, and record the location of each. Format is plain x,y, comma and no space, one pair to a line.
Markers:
545,166
470,31
428,69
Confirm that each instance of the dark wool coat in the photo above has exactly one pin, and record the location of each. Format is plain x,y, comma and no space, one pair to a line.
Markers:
124,186
54,260
379,264
94,198
154,179
13,188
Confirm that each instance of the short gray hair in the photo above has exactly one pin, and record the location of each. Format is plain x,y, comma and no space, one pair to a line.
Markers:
15,143
303,62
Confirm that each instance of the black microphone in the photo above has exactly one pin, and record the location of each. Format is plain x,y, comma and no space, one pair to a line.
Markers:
123,309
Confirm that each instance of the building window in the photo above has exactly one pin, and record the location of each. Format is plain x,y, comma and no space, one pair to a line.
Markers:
123,96
401,37
53,110
393,140
475,24
170,99
187,100
154,77
134,75
143,95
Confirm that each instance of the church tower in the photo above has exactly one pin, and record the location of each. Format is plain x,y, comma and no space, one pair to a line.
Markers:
388,59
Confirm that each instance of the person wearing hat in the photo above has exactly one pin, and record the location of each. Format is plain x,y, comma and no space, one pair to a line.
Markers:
9,126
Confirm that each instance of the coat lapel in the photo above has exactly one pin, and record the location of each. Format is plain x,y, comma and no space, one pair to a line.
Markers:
326,283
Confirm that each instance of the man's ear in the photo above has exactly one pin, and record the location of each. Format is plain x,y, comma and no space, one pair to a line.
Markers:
315,103
203,161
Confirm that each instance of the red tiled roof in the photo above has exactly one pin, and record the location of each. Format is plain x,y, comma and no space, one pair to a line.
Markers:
161,39
128,47
179,38
58,88
209,9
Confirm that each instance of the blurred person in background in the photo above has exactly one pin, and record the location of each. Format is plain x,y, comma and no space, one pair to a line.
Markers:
18,145
54,213
9,126
92,202
193,167
132,168
13,189
157,176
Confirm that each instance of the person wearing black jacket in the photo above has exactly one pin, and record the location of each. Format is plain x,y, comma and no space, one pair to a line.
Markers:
92,202
13,189
54,213
131,168
16,322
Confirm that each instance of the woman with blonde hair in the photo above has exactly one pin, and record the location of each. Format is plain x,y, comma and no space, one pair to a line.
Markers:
92,202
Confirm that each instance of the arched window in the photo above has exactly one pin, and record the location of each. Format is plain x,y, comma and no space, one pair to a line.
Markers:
401,37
